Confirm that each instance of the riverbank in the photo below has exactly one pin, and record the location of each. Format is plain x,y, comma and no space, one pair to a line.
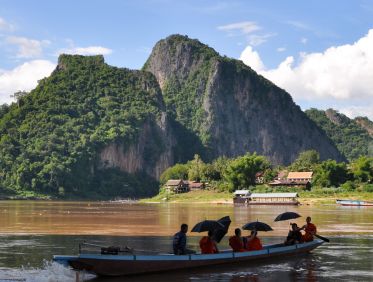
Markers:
210,196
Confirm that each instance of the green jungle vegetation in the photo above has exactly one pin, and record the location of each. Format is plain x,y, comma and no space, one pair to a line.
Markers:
351,139
49,138
225,175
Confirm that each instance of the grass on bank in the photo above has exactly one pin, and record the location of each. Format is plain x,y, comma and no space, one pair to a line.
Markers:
201,196
316,195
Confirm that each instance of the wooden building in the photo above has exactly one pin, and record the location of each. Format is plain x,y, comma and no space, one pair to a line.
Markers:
177,186
294,179
194,185
300,176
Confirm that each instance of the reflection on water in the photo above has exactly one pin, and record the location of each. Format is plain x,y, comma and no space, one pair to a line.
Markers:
32,232
105,218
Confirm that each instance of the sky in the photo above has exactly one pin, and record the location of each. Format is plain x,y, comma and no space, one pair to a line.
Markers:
319,51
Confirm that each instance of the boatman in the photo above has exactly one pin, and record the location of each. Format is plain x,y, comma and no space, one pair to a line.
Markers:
180,240
236,242
294,235
208,245
310,230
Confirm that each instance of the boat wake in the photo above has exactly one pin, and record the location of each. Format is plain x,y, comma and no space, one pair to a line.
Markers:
49,272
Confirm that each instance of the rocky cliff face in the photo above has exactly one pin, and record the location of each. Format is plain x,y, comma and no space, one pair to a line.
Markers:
365,123
231,108
151,152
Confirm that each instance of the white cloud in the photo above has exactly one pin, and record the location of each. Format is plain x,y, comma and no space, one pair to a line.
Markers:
4,25
304,40
299,25
241,27
23,77
91,50
27,48
256,39
252,59
341,73
354,111
281,49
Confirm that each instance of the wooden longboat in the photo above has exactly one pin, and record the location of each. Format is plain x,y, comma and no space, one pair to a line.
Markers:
118,265
354,203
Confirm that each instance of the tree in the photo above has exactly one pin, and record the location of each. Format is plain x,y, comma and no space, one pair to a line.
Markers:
362,169
306,161
196,169
241,171
18,95
330,173
178,171
215,170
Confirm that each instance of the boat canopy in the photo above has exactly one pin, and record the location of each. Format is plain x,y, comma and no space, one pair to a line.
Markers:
242,193
274,195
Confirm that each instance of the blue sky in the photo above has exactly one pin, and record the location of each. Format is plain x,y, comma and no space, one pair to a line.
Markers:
317,50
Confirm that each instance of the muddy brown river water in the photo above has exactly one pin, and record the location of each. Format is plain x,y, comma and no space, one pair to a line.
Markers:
31,232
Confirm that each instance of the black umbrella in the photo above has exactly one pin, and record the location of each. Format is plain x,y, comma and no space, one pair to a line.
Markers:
258,226
220,233
207,225
287,216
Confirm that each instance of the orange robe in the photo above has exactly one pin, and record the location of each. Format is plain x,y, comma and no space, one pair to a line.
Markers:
207,245
236,244
254,244
310,230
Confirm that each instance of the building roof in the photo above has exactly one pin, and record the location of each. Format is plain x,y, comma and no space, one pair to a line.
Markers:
242,192
274,195
174,182
301,175
259,174
288,182
282,174
195,184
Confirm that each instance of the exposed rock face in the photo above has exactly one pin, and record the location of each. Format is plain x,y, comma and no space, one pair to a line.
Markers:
151,152
336,117
366,124
231,108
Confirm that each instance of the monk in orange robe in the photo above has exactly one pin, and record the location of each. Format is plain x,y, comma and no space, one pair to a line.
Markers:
208,245
310,230
236,241
253,242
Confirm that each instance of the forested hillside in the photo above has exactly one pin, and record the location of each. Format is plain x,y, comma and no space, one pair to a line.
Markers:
91,130
51,138
349,135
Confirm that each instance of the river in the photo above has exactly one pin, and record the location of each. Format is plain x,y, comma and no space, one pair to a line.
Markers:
31,232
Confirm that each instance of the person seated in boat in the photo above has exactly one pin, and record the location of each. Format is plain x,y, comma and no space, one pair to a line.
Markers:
208,245
236,241
294,235
253,243
310,230
180,240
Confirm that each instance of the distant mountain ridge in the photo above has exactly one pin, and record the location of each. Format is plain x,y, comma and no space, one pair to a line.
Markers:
353,137
230,107
93,130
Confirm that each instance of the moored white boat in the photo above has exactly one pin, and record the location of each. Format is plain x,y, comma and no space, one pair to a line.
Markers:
354,203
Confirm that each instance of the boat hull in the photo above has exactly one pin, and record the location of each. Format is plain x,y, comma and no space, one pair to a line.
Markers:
357,203
114,265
